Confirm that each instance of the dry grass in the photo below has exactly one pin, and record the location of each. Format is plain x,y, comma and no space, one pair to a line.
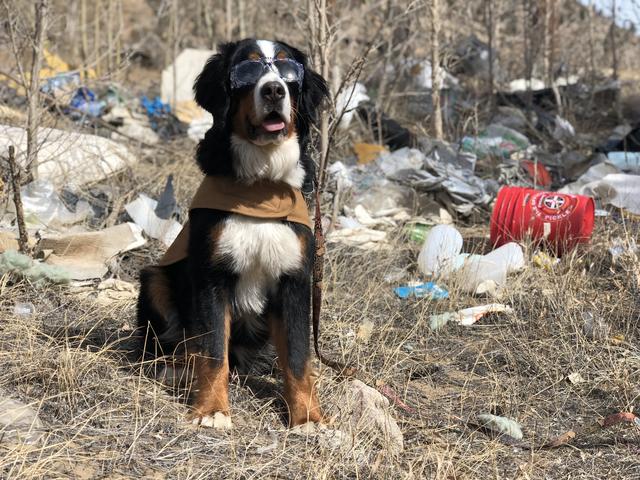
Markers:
72,362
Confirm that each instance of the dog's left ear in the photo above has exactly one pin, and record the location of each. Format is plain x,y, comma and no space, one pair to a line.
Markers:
211,88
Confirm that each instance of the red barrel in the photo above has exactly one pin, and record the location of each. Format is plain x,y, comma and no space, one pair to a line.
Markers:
558,219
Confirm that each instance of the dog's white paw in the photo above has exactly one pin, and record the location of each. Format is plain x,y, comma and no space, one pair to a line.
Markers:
218,420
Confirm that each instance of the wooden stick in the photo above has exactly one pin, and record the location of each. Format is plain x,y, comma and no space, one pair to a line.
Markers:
14,172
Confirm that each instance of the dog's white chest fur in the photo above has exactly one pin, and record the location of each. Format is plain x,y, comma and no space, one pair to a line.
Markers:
259,252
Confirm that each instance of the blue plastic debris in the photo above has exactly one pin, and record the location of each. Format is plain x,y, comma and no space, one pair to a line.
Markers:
421,290
63,82
84,103
155,107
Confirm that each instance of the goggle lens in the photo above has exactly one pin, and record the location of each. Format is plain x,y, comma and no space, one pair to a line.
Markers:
248,72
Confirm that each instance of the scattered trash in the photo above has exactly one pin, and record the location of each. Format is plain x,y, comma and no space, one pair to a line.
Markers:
593,174
84,255
185,69
60,85
167,204
560,220
442,245
618,189
198,127
538,173
84,103
496,140
19,422
421,290
386,129
161,119
544,260
371,410
142,211
66,157
114,291
363,238
501,425
24,309
132,124
624,139
467,316
348,101
511,117
621,247
418,232
365,330
625,161
493,267
36,272
44,208
575,378
367,152
563,129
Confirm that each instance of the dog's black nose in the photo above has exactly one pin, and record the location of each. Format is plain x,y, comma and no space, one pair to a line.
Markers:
272,92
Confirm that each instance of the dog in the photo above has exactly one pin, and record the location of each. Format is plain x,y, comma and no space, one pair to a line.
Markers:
246,279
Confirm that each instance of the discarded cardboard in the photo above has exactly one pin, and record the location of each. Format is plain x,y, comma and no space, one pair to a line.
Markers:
84,255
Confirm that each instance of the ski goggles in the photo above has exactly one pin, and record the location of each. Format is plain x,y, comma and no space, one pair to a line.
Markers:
248,72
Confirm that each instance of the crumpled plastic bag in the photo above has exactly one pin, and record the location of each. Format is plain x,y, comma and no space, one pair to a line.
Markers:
501,425
371,409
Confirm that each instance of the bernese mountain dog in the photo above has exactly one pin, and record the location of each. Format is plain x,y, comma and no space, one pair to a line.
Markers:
245,275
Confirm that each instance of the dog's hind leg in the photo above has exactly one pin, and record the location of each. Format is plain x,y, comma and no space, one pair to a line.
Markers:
289,326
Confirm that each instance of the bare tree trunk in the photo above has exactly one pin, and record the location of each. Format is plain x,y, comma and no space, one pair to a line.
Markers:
614,44
489,22
549,50
324,70
229,19
110,37
313,31
84,42
33,113
546,56
96,36
614,57
208,21
14,172
528,57
592,61
241,19
119,38
174,45
435,68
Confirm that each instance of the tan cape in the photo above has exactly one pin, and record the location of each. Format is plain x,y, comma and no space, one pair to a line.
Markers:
265,199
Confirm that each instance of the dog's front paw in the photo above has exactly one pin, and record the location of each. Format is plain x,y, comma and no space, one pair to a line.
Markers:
218,420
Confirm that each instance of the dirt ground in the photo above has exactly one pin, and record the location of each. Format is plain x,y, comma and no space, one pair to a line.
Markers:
104,418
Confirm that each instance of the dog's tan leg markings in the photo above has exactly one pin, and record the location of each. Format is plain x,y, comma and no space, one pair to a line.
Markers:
211,406
299,392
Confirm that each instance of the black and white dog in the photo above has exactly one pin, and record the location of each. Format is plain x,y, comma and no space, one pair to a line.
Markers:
246,280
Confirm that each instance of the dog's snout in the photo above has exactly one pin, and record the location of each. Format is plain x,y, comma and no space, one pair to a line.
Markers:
272,92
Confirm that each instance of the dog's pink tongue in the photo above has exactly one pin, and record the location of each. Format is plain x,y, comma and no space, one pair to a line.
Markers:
273,125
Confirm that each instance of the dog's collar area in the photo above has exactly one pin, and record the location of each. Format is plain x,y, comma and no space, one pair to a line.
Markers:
248,72
267,200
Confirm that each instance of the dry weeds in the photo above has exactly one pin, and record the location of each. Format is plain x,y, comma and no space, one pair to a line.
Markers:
104,418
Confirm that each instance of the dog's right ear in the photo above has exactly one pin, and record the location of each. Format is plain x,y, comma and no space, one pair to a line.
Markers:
211,88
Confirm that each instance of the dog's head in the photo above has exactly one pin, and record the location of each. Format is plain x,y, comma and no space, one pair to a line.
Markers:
262,91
